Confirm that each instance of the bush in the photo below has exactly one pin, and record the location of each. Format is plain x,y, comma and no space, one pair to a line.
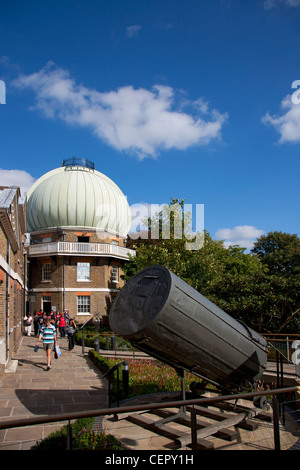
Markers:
91,440
104,364
83,437
145,376
90,334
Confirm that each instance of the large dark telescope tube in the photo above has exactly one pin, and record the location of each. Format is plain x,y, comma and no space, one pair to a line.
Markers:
163,316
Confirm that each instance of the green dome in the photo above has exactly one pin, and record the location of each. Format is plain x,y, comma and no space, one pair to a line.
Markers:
78,197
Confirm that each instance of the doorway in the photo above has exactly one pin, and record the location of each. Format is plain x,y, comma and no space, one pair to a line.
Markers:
46,303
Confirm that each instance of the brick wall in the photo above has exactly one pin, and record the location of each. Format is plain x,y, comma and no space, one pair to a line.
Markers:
12,294
100,278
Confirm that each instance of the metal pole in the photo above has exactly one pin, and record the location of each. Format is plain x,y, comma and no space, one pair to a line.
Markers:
276,423
194,429
82,341
125,377
118,389
69,436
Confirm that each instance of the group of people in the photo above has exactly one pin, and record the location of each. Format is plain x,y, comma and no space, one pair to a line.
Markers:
62,325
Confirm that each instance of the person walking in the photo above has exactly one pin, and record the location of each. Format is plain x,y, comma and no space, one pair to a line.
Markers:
36,323
48,335
62,326
28,324
67,316
71,331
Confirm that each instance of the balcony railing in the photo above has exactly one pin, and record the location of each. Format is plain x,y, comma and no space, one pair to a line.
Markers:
75,248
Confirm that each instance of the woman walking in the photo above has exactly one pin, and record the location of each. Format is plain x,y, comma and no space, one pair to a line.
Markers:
62,326
48,335
71,331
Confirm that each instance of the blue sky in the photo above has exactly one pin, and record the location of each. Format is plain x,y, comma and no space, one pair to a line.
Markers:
178,99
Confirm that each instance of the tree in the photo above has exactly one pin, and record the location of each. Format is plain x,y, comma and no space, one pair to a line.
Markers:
260,288
225,276
280,252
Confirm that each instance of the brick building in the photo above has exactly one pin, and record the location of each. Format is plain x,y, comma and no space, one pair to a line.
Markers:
78,220
12,273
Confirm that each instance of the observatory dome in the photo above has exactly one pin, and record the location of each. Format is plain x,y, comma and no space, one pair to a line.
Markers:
78,196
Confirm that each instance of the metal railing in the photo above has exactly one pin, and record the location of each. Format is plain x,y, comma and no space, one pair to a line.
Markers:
125,380
285,348
75,248
285,343
9,424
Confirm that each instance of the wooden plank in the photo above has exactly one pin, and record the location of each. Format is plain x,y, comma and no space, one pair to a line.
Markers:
248,424
211,430
257,412
185,420
166,430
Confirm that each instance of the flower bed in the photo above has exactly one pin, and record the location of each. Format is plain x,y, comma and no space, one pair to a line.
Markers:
145,376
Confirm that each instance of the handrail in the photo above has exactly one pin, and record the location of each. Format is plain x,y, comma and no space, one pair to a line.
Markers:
108,374
151,406
112,369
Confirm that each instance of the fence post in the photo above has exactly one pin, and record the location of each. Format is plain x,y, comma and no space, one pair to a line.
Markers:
276,423
82,342
194,428
69,436
113,342
125,377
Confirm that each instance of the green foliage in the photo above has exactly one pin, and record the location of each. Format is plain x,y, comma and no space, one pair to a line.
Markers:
88,439
83,438
261,288
104,336
103,363
57,440
145,376
280,252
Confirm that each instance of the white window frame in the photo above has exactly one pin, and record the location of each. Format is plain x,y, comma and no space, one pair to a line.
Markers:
83,304
83,272
46,272
115,274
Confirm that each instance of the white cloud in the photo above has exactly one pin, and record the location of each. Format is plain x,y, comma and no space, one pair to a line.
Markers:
242,235
132,31
288,123
16,178
128,119
269,4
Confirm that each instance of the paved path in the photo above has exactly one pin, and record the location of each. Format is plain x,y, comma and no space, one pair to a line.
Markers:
72,384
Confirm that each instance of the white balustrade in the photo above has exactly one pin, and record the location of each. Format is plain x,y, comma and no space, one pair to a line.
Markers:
75,248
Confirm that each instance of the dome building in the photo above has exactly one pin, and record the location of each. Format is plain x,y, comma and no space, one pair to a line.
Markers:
78,220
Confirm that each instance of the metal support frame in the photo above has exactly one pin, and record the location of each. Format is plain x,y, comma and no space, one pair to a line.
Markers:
276,412
182,409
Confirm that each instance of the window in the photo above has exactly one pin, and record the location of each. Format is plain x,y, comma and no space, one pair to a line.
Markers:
47,240
46,272
83,239
83,271
115,274
83,304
